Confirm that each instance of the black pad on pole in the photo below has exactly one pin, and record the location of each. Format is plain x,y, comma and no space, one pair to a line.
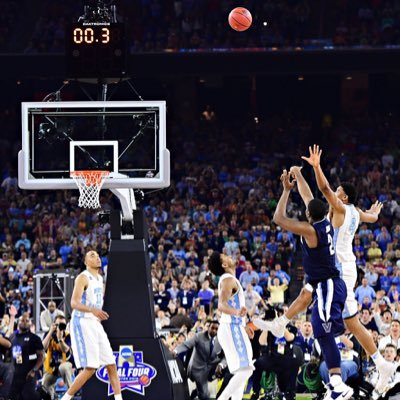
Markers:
142,359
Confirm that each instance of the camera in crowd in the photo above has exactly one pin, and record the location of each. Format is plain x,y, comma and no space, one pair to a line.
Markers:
62,326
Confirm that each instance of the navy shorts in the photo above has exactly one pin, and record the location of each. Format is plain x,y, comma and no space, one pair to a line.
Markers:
329,299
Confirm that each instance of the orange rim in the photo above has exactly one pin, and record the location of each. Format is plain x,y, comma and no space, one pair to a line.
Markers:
91,177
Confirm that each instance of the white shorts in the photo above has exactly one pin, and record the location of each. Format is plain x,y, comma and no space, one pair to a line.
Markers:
90,345
349,274
236,346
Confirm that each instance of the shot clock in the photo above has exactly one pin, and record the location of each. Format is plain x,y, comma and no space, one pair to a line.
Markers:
95,50
91,35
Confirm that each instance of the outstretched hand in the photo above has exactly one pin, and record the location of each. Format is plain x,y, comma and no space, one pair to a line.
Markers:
287,183
315,156
13,311
294,171
375,208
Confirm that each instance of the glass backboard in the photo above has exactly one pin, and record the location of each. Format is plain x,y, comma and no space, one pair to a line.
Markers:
127,138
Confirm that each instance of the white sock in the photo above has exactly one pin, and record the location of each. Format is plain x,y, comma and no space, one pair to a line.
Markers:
118,396
235,386
335,380
378,359
67,397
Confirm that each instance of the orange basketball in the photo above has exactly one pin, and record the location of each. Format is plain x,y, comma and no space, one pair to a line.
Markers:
144,380
240,19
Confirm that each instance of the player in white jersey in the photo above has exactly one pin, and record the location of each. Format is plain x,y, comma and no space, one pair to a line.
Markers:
233,335
345,218
90,344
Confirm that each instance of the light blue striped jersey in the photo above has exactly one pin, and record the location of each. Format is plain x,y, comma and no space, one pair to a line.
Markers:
237,301
92,295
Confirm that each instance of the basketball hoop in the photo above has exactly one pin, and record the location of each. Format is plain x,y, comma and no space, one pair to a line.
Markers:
89,184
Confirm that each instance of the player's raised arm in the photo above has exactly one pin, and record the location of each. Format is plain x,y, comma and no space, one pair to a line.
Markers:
228,286
290,224
302,185
371,215
323,185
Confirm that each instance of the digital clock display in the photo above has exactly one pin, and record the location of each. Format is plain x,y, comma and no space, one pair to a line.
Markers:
95,50
90,35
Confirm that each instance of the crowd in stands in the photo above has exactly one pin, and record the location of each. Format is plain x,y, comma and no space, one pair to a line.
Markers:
8,19
223,193
155,25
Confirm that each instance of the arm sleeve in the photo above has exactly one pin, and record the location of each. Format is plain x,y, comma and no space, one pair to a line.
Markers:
187,345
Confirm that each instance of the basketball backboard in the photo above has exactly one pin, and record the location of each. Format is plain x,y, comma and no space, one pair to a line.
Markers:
127,138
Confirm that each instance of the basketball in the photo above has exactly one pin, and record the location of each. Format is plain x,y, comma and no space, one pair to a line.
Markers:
144,380
240,19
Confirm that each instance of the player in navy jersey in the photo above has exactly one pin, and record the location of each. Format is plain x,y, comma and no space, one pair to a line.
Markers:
322,276
345,218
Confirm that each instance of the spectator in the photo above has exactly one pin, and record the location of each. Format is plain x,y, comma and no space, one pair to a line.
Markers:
173,290
385,281
65,251
162,320
272,246
382,319
205,296
374,252
232,245
252,300
27,359
205,358
23,263
247,277
58,360
186,295
278,355
393,337
305,340
390,355
383,238
372,277
6,369
263,275
363,291
162,297
277,291
48,316
181,319
282,275
24,241
367,320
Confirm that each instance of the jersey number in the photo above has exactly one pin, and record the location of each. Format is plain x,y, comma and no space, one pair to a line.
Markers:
99,297
330,241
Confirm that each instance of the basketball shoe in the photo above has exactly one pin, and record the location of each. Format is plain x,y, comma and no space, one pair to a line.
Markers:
386,372
338,392
276,327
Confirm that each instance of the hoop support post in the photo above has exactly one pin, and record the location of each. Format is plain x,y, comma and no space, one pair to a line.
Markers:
128,203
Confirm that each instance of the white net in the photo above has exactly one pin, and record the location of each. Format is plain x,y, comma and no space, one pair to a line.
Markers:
89,184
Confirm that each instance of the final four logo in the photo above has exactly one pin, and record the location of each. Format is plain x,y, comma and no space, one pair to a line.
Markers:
133,373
